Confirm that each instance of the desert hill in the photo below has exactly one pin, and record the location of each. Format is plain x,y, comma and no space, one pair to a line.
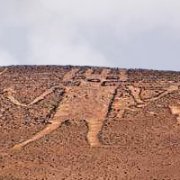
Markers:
68,122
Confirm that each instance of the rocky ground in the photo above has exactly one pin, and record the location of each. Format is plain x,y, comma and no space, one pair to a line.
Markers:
86,123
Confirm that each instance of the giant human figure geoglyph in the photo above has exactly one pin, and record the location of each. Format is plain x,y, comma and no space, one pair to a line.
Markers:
90,102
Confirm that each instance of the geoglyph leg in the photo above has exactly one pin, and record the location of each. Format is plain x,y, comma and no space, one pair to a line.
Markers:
94,127
123,75
55,124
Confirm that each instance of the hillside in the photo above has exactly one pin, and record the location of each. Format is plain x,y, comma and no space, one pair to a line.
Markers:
65,122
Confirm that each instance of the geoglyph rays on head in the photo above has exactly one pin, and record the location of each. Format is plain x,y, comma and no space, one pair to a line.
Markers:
93,108
2,72
69,75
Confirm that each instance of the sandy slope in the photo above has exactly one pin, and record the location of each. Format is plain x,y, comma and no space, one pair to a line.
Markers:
89,123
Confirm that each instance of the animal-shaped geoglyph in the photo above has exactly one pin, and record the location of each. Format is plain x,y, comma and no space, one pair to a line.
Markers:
129,98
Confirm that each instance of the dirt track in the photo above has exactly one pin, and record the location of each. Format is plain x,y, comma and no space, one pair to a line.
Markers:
89,123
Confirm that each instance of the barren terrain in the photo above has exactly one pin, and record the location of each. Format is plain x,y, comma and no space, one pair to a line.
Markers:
86,123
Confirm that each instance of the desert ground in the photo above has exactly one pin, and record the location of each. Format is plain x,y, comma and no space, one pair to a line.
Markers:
89,123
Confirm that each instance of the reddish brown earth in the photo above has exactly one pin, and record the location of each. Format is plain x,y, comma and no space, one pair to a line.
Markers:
84,123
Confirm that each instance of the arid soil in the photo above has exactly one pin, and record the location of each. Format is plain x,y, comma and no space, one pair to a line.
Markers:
89,123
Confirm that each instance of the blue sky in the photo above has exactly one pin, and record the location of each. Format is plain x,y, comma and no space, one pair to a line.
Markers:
116,33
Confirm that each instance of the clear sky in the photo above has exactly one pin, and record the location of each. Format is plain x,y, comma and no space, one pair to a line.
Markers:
116,33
